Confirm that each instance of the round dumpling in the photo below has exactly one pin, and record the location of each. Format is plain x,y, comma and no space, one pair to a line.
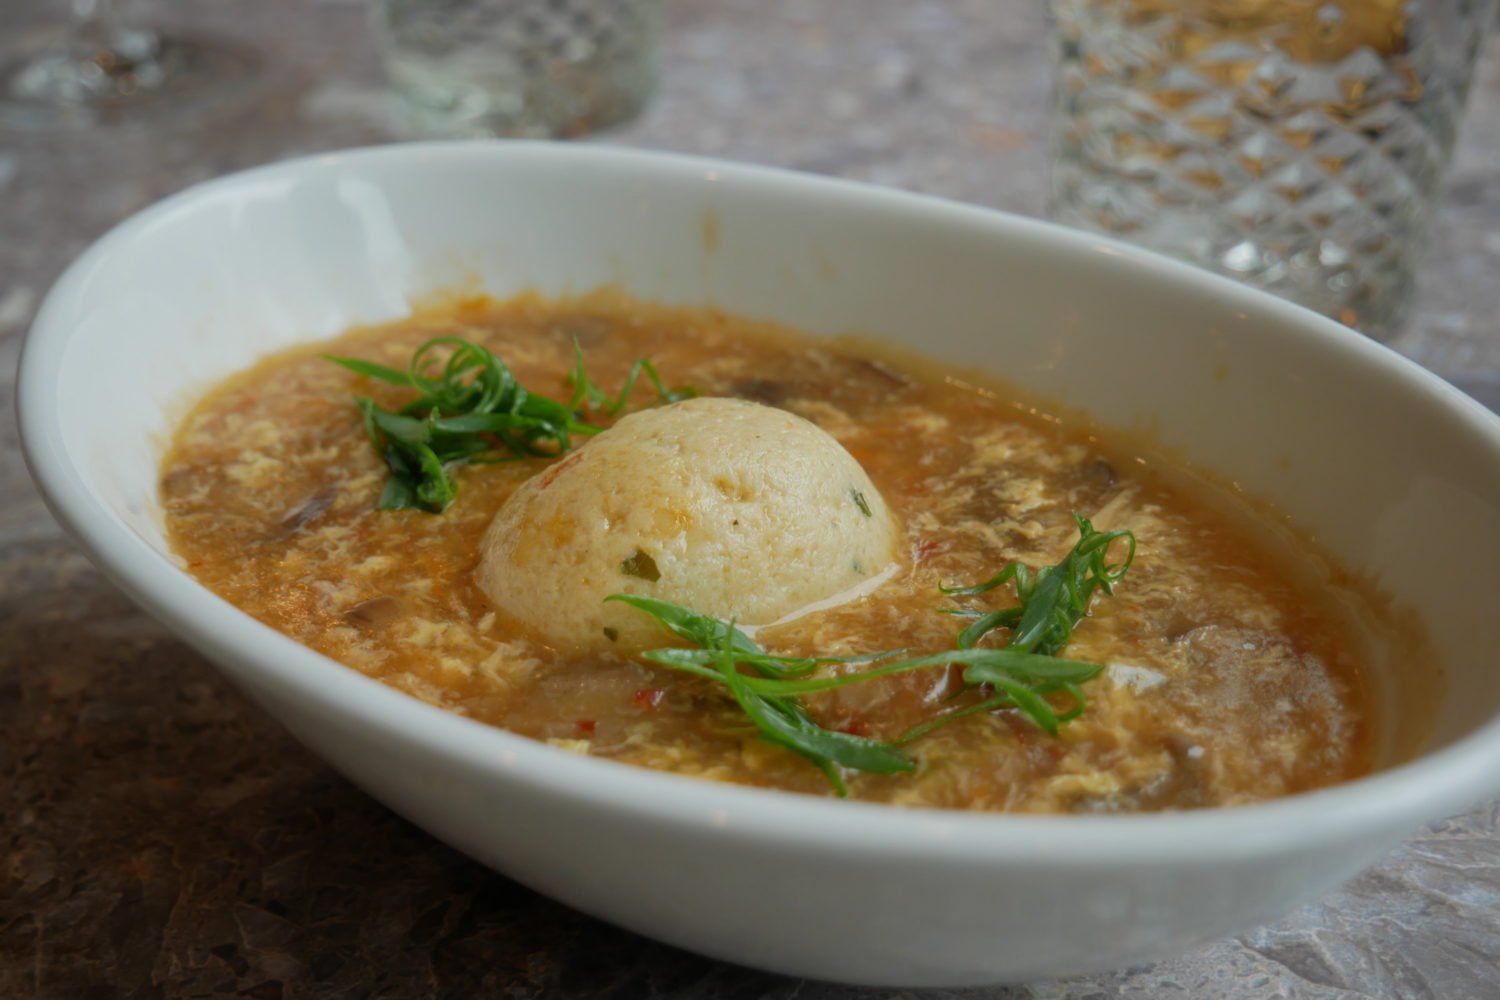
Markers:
726,507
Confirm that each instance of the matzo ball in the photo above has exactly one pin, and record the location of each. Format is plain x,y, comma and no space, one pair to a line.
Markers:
727,507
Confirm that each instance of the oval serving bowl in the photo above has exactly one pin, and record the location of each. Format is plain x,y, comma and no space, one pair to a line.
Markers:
1396,475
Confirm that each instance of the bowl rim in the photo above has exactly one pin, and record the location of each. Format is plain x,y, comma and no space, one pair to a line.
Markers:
1426,788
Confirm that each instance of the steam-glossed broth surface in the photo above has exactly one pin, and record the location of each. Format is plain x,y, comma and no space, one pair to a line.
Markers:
1231,676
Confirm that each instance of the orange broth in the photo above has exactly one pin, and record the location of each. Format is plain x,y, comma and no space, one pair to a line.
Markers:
1231,676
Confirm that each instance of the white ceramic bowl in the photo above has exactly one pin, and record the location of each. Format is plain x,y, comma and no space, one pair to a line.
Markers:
1394,472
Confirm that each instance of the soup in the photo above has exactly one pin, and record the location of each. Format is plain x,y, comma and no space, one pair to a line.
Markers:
1220,670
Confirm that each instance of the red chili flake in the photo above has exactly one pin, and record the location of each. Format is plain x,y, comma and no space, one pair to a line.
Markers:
586,726
194,565
927,548
551,474
649,698
857,727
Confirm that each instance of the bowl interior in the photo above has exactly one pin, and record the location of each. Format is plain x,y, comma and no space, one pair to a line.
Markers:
1392,473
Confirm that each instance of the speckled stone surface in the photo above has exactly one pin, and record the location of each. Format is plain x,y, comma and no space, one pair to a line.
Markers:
161,838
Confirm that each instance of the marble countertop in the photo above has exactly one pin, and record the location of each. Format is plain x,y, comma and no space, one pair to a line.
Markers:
161,837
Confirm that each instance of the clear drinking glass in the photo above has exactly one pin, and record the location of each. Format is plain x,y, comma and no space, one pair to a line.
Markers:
1298,145
517,67
100,69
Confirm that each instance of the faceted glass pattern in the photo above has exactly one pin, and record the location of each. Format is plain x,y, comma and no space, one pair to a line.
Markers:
1298,146
517,67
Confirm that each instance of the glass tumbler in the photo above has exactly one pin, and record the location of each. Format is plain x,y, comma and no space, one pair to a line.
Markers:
102,68
1298,145
537,68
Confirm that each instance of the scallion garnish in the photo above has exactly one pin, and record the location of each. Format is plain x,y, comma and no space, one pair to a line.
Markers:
769,688
586,392
1053,600
471,409
779,715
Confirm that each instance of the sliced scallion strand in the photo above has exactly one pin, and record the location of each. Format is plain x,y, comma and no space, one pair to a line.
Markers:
769,688
586,393
1053,600
470,408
